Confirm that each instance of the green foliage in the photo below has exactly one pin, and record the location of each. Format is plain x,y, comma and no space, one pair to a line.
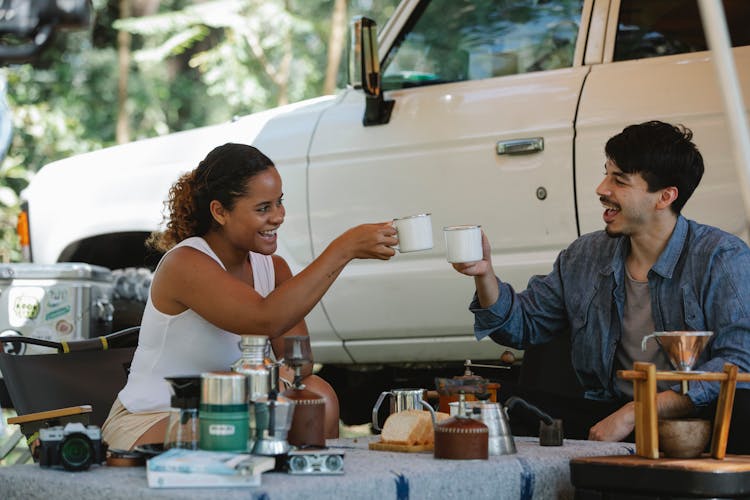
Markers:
194,63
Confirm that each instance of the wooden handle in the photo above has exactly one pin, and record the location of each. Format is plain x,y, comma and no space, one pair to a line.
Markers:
50,414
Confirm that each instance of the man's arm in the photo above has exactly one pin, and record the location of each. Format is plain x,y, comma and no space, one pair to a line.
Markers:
620,424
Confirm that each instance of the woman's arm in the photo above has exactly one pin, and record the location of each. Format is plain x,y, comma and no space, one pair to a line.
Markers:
188,278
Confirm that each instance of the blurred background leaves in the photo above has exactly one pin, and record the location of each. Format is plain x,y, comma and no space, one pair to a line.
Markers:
152,67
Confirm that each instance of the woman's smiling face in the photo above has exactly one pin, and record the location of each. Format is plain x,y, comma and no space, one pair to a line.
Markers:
253,221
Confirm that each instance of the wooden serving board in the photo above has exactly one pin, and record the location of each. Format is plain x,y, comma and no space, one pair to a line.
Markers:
415,448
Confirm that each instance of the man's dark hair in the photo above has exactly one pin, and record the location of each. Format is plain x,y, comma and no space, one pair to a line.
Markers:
663,154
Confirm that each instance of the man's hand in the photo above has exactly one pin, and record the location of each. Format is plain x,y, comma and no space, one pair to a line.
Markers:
480,267
615,427
484,276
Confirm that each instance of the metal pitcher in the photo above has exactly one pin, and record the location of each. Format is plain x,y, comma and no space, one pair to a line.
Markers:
401,399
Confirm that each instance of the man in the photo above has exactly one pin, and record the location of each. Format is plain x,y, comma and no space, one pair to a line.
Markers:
649,270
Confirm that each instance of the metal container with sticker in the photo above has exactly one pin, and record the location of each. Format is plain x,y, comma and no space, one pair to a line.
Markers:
224,424
57,302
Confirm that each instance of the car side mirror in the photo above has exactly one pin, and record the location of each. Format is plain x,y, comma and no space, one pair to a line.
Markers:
364,71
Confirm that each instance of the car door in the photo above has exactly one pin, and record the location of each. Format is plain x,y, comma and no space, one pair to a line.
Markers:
654,65
469,79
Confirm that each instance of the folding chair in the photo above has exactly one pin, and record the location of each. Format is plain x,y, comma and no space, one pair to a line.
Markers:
78,383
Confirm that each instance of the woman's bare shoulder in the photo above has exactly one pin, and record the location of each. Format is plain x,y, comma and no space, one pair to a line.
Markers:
187,261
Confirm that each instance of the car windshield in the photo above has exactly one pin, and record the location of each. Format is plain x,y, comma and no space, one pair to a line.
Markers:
482,39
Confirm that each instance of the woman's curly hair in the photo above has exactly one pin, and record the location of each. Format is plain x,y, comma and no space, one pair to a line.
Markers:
221,176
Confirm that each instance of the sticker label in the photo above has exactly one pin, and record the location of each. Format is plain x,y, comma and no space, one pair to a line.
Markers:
57,313
221,429
26,307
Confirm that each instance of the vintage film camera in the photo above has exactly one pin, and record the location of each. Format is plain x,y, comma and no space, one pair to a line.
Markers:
75,446
315,461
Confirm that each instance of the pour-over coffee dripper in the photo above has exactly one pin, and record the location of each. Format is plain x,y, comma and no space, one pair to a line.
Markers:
682,348
183,427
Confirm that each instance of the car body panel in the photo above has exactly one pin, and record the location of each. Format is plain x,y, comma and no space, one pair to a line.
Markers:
437,154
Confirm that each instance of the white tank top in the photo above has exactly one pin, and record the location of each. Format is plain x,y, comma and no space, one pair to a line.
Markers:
183,344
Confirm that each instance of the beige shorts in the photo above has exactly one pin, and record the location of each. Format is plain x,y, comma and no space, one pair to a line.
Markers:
122,429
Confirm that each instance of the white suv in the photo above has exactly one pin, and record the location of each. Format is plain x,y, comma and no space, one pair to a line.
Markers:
491,112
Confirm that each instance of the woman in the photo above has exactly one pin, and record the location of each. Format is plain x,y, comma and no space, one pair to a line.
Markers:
219,279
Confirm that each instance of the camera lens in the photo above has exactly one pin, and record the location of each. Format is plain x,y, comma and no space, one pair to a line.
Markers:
298,463
76,452
334,463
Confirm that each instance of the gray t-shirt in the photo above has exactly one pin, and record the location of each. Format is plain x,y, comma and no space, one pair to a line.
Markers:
636,324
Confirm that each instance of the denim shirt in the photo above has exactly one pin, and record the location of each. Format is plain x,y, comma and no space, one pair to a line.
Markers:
701,281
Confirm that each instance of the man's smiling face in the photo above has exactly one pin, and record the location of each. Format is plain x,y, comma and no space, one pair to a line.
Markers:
629,206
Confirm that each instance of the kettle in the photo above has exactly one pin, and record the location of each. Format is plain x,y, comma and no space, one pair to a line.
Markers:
495,417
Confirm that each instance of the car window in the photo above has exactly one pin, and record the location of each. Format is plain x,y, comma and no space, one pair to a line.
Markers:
647,28
456,40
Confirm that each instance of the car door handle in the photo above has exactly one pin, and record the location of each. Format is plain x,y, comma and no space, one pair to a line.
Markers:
520,146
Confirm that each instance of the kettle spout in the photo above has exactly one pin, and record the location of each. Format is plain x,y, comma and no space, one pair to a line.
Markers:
515,400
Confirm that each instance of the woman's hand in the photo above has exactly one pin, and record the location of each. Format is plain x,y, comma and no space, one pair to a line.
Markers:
368,241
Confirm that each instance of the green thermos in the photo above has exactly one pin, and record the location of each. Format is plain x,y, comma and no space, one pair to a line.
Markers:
223,412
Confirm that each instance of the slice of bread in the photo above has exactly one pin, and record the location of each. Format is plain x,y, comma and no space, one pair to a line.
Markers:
428,436
410,427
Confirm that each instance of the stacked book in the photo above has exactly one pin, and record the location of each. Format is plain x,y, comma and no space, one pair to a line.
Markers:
179,468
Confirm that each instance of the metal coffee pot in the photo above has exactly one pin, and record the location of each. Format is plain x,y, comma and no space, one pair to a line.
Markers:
401,399
273,418
495,418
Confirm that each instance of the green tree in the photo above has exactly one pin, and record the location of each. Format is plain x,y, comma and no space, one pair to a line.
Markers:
193,63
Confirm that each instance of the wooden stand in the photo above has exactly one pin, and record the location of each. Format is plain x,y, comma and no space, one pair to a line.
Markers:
644,377
640,476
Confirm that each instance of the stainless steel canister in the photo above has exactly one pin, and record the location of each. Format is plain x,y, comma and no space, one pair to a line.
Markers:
251,364
223,388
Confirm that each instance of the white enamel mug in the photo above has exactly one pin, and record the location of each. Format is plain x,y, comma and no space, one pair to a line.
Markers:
463,243
414,232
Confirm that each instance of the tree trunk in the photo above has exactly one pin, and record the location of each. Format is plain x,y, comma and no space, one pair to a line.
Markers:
122,131
335,45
